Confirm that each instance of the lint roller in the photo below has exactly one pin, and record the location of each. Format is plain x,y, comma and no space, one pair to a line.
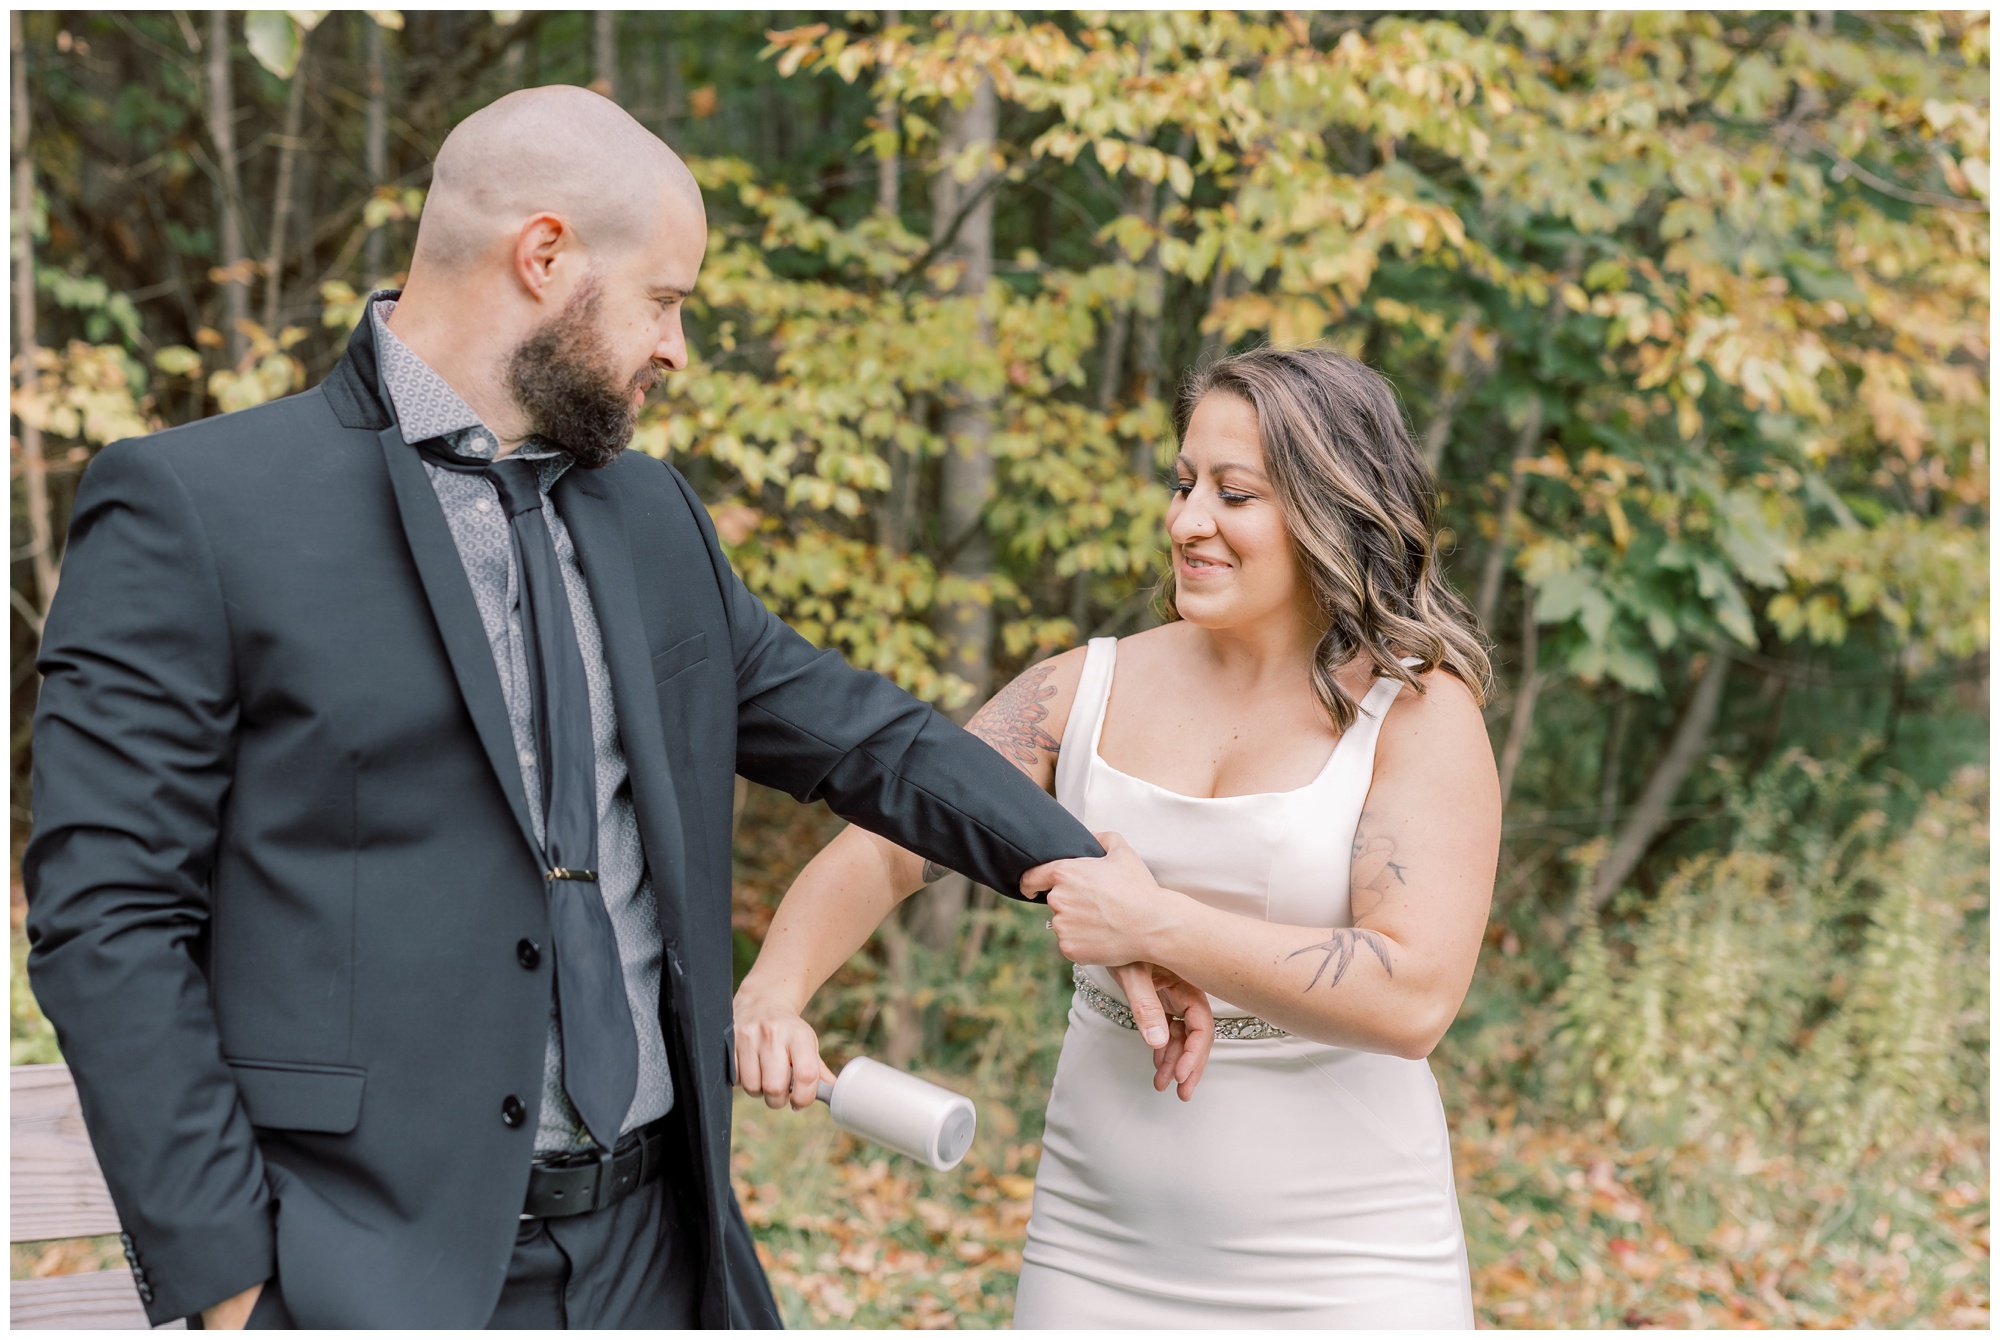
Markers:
909,1115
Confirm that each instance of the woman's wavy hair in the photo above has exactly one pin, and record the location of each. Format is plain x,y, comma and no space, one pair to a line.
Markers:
1361,508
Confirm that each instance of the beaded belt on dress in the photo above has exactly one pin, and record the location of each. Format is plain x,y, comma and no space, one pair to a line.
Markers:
1231,1028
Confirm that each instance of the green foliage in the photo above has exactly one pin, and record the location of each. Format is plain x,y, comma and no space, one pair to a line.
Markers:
104,312
1727,273
1820,981
1650,225
277,37
1927,581
818,387
1690,308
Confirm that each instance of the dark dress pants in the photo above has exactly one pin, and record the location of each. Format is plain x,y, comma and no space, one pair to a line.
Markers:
620,1268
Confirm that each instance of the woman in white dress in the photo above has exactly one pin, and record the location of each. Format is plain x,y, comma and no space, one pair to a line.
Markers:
1294,787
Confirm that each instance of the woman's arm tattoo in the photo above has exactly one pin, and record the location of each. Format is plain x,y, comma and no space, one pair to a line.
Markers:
1012,719
1338,951
1375,870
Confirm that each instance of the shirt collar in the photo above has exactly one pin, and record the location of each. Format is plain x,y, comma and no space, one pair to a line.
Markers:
425,404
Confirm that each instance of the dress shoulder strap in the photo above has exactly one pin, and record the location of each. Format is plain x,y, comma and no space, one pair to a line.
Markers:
1352,763
1384,691
1086,721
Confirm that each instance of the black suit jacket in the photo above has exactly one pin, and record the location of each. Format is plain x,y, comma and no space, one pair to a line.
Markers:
282,860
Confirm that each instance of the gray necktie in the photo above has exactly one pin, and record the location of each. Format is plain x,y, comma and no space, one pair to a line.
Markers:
599,1046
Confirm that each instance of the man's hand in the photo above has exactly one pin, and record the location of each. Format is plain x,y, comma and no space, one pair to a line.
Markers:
1106,909
231,1314
1174,1018
777,1054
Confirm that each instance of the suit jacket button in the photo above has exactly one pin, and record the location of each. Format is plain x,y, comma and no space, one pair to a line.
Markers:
512,1113
529,953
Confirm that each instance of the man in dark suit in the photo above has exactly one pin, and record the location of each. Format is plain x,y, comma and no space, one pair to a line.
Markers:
379,887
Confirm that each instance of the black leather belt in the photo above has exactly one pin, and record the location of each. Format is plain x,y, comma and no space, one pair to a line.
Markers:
579,1183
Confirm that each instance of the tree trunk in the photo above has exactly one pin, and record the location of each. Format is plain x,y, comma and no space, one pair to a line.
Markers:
904,1035
375,147
222,130
966,477
604,52
1227,284
1649,815
281,196
1460,381
1141,198
1147,324
1523,722
1531,432
34,470
896,514
1510,507
1149,364
889,167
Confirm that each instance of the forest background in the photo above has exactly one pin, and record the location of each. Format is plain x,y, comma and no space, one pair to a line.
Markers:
1689,312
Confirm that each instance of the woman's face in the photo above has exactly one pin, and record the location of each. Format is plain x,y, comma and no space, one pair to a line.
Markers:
1233,560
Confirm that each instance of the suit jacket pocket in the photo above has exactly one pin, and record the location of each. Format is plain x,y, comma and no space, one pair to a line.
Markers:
684,653
294,1096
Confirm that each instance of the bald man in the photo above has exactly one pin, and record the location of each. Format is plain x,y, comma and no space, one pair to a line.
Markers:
379,888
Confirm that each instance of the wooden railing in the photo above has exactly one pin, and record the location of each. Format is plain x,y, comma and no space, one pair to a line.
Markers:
56,1191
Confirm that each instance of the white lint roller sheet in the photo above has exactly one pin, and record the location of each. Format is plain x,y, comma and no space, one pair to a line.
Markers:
909,1115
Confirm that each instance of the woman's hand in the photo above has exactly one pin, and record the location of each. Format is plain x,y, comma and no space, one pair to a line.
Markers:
1107,908
777,1053
1174,1018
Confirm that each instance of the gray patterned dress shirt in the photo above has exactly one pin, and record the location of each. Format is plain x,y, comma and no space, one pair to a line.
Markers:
427,407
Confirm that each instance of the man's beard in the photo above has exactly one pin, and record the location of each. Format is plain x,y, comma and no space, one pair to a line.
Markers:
562,377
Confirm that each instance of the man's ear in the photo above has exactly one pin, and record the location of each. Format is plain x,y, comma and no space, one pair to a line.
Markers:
542,240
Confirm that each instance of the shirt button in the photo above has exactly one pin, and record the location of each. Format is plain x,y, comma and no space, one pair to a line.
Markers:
527,758
529,953
512,1113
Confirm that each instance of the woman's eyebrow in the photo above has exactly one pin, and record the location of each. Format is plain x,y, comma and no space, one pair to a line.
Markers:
1181,462
1238,467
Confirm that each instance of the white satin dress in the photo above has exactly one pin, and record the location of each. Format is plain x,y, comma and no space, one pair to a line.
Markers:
1305,1185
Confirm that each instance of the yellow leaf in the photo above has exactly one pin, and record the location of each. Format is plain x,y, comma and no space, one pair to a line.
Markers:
177,360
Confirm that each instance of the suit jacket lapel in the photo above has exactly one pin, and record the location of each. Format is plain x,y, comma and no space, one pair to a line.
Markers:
457,618
597,527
